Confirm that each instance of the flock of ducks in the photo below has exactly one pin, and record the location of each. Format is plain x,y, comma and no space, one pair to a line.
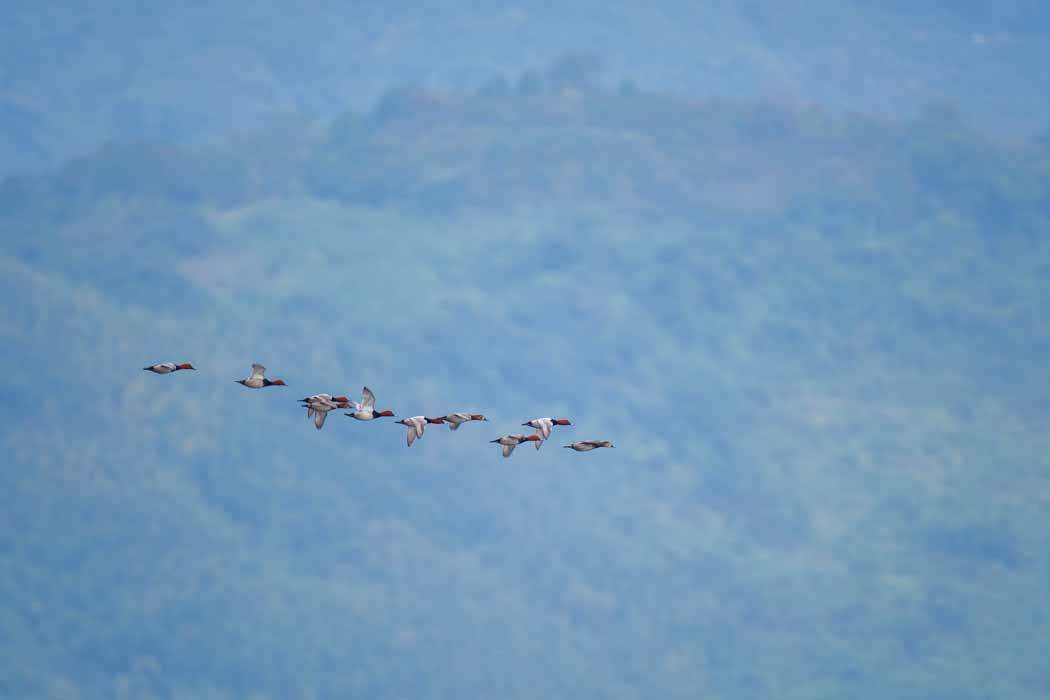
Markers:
319,406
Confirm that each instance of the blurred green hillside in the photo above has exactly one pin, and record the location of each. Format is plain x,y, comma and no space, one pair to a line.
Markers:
818,341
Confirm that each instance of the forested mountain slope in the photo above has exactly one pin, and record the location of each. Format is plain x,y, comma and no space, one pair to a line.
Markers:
818,341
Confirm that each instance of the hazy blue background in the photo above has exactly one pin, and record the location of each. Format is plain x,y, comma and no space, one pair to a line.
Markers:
792,258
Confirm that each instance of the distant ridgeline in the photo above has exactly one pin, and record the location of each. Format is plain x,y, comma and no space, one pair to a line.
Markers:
77,76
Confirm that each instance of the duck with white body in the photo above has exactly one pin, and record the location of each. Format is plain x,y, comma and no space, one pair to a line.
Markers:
257,379
455,420
509,442
417,425
544,426
366,410
319,405
168,367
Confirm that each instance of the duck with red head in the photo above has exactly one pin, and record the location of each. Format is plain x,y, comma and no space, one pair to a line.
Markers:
168,367
455,420
544,426
338,401
366,409
417,425
319,405
509,442
257,379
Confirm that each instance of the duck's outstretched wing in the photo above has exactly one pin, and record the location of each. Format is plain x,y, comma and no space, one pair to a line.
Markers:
368,399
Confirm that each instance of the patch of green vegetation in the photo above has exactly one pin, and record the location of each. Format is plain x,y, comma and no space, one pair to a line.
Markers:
817,340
